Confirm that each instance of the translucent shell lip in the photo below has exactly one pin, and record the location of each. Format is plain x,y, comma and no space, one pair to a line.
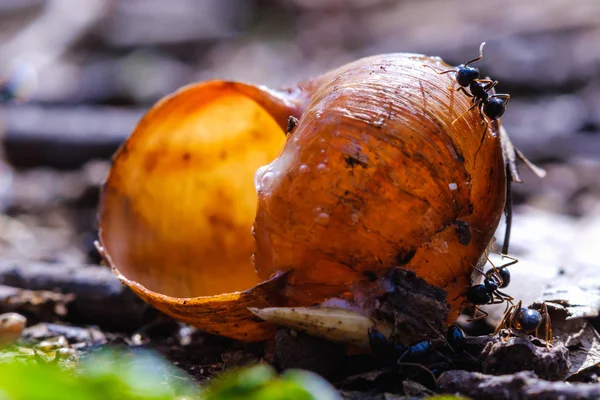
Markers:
179,202
375,175
225,314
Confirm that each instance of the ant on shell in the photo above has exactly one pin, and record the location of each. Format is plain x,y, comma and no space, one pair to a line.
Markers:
488,292
528,321
492,106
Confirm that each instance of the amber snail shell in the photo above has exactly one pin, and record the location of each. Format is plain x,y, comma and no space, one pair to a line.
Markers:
384,169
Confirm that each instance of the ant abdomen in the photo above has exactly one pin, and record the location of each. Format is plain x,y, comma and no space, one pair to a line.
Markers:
494,107
528,320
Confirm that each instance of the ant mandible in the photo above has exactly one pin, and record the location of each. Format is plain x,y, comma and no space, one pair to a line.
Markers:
492,106
528,321
488,292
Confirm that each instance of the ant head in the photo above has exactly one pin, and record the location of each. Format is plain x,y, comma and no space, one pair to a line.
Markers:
528,320
505,275
465,75
501,276
479,294
495,107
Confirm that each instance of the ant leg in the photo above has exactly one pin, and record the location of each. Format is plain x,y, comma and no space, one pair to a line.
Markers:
548,326
509,303
465,113
480,55
482,117
485,128
482,316
462,89
491,263
482,272
506,97
490,86
508,264
512,261
504,254
500,297
508,318
504,296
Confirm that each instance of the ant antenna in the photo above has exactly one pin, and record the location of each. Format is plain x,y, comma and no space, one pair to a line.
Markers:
480,54
439,72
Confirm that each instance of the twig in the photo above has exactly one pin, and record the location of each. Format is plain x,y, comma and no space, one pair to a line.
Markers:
100,298
62,137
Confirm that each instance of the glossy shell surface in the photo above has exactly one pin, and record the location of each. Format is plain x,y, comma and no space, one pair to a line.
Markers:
381,171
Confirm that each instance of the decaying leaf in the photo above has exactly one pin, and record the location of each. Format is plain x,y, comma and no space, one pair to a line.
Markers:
579,336
576,301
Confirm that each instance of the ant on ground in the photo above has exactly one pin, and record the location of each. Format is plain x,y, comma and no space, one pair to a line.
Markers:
528,321
389,352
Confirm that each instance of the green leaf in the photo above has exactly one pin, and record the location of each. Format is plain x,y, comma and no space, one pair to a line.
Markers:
107,375
262,383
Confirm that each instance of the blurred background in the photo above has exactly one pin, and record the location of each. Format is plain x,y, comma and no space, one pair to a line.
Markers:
89,69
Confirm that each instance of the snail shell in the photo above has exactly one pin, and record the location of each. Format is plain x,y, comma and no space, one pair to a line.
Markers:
375,175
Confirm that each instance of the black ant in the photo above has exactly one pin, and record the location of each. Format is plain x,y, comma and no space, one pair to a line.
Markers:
528,321
492,106
383,349
488,292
